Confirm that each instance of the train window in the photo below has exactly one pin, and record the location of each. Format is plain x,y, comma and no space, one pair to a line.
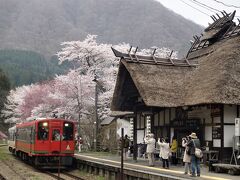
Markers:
43,131
56,135
67,131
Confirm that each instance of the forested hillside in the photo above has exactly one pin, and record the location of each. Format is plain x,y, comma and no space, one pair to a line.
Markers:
4,88
26,67
41,25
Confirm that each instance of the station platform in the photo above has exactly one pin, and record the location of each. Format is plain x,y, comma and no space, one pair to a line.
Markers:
141,165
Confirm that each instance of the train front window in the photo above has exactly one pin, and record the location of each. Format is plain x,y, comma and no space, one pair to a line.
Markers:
67,131
56,135
43,131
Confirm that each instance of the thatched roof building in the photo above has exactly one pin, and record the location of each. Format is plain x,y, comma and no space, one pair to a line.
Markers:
210,73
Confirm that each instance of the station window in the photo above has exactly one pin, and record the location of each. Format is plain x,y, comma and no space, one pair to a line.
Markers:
67,131
43,131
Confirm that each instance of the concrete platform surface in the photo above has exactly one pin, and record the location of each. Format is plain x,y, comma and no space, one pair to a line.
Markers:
142,165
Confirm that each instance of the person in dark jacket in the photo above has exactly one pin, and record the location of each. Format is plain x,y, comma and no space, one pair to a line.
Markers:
195,162
126,143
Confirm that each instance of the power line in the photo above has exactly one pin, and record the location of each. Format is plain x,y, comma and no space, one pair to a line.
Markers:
194,8
203,6
209,9
206,6
228,5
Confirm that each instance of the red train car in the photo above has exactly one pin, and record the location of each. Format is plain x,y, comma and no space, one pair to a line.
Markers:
44,141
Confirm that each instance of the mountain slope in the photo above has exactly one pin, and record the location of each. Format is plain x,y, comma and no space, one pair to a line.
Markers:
41,25
26,67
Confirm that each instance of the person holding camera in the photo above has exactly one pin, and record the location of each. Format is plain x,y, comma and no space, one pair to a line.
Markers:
164,151
186,156
150,141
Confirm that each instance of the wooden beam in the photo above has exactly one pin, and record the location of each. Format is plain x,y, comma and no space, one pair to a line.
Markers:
135,148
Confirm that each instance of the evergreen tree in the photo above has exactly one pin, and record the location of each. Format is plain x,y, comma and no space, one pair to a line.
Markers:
4,89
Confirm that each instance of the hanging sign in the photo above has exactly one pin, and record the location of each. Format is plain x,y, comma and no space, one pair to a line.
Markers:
237,127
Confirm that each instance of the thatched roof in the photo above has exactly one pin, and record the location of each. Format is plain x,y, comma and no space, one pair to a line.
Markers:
157,85
107,121
215,80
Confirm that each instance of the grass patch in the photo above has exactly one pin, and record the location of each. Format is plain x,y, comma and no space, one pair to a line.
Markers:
3,153
3,141
90,176
101,178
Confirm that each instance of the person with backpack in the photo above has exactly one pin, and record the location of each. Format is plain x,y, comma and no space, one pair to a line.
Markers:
194,145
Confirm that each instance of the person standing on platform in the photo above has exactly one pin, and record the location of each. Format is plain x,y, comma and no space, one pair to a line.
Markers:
165,151
126,142
195,162
174,147
80,142
160,148
186,156
150,141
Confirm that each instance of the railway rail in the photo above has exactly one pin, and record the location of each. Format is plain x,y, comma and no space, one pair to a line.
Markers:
63,176
12,170
53,175
72,176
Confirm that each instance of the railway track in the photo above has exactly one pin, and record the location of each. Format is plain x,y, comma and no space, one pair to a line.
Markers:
63,176
72,176
53,175
5,162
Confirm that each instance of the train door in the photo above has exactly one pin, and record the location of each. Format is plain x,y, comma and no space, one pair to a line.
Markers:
42,136
56,140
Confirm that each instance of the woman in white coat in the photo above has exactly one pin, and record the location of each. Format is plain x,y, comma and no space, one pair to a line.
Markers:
186,157
150,141
164,151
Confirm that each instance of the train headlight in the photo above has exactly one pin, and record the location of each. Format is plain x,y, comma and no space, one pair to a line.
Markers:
66,124
45,124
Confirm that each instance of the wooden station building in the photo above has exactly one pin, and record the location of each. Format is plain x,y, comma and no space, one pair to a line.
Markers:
199,93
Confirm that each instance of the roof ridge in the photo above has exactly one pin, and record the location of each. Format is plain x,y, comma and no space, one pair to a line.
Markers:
152,59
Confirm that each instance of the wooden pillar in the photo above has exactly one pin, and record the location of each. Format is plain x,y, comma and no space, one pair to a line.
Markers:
237,111
152,124
135,148
222,130
169,125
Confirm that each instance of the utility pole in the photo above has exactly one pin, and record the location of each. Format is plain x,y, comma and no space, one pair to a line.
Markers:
122,149
96,112
80,105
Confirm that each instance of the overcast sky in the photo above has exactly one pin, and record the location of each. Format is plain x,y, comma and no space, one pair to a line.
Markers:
190,9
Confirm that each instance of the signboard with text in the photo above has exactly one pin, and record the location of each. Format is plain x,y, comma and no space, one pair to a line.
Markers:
237,127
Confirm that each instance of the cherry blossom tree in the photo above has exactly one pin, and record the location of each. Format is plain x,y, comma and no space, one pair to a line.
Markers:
12,112
93,60
75,91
